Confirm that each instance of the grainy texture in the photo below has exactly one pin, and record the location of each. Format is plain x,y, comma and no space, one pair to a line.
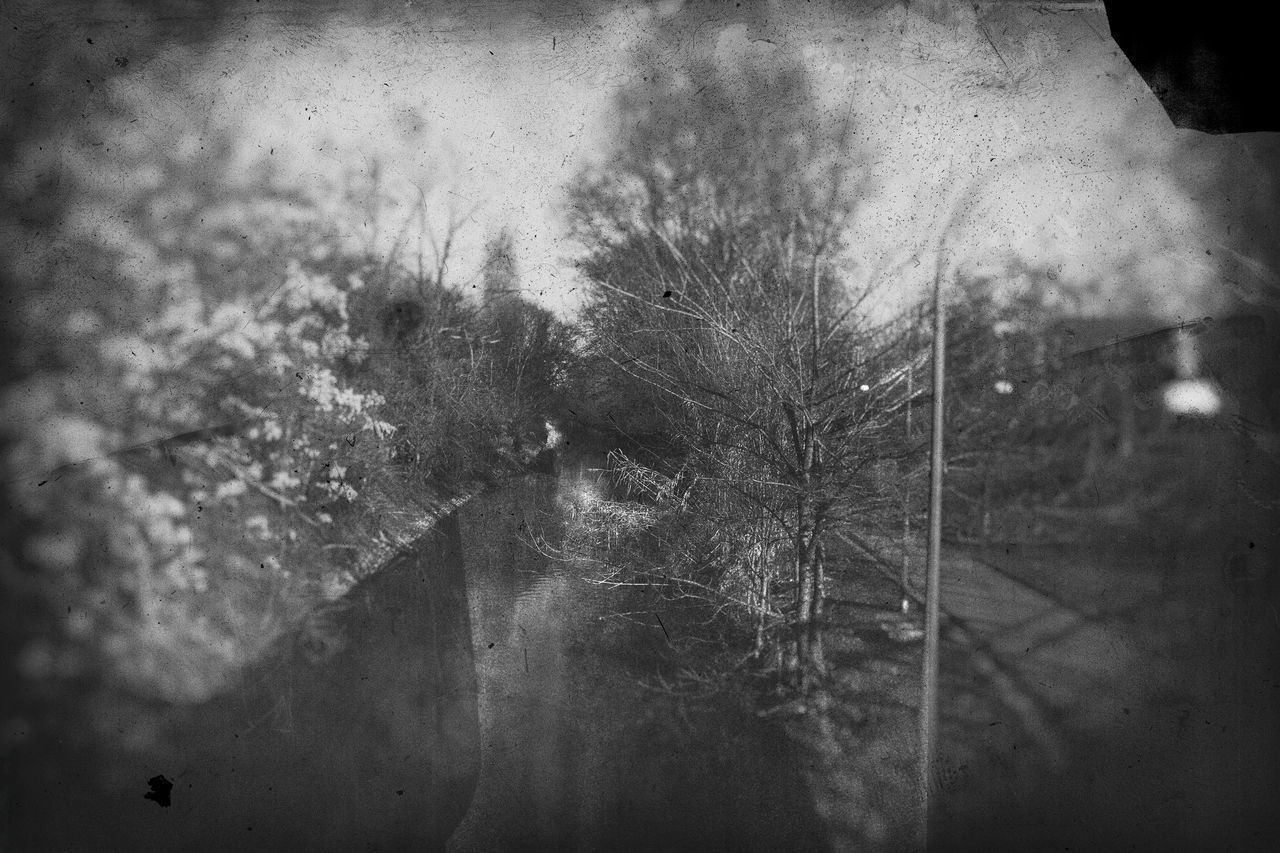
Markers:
288,283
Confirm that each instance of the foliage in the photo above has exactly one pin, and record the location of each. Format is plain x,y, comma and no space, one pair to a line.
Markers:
217,410
1055,420
139,545
721,317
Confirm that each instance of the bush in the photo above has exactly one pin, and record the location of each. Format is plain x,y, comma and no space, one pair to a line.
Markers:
152,552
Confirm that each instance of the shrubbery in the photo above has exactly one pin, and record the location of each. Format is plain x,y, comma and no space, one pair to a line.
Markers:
197,451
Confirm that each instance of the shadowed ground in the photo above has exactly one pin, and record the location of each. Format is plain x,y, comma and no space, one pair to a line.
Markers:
369,746
473,672
579,752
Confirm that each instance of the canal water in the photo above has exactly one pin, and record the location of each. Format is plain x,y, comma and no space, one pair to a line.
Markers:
480,693
579,751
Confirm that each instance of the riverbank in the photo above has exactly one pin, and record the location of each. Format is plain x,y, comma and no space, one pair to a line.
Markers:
607,720
369,742
859,725
86,737
470,663
1100,696
535,705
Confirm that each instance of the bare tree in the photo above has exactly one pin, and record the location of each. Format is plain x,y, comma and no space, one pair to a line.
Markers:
715,252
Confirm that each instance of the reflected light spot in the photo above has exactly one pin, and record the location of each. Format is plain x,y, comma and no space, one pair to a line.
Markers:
1196,397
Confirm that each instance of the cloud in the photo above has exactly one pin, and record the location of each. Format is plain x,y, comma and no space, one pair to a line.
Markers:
492,120
1063,154
1054,152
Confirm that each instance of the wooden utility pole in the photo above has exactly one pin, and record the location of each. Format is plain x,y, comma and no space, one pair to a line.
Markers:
905,581
933,574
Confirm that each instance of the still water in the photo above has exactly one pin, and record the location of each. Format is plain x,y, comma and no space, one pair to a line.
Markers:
578,751
482,694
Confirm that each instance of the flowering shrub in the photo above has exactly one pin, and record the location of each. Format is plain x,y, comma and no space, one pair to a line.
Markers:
200,443
143,551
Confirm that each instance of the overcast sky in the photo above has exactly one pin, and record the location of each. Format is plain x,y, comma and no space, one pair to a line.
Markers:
1031,125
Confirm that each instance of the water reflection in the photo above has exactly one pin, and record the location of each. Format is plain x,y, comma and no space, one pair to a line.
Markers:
575,752
479,696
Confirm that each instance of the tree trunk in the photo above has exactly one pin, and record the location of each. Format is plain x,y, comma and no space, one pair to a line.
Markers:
763,603
817,658
804,597
807,656
804,556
